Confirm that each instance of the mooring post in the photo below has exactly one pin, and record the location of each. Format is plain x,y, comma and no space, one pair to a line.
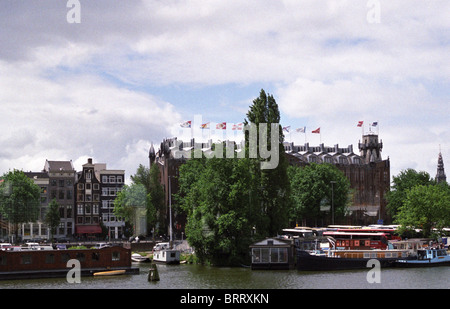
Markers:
153,273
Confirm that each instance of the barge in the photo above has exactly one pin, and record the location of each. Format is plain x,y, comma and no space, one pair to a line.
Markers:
347,259
32,264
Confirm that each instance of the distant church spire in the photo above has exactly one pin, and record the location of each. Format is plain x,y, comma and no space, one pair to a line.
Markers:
440,175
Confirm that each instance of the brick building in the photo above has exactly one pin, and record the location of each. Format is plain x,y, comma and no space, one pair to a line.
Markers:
368,173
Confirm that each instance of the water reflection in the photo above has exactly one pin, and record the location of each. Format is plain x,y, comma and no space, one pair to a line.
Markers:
204,277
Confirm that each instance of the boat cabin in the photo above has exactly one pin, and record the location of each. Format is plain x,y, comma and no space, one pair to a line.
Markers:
273,253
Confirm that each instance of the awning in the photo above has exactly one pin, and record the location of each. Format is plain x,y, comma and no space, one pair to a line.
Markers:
88,229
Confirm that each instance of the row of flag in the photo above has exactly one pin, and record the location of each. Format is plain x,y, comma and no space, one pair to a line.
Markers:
219,126
303,129
238,126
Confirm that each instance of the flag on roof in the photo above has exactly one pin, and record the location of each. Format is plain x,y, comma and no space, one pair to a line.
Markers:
360,123
374,124
205,126
221,126
287,128
301,130
316,130
237,126
186,124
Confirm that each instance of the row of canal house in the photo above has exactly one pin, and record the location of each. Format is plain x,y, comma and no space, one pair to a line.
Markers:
85,198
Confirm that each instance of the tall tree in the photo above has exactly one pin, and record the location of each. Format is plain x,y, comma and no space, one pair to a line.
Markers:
274,188
216,196
52,217
19,199
156,214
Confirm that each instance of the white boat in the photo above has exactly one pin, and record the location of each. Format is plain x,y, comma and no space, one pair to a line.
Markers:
166,255
425,258
136,257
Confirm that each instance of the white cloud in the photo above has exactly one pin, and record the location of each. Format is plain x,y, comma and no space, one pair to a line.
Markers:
327,64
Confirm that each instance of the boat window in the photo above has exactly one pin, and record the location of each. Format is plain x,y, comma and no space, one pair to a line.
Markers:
50,258
95,256
81,257
115,256
65,257
442,253
25,259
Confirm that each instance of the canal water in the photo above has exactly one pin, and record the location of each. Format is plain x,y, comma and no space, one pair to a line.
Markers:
187,276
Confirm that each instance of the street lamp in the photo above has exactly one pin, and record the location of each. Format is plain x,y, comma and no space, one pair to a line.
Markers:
332,201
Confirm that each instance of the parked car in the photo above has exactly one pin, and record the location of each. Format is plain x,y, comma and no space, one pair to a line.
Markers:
4,246
102,245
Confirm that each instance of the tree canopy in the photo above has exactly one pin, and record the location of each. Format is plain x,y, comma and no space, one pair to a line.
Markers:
317,185
426,207
19,198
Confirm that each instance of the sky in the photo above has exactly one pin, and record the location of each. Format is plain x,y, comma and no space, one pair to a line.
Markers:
104,79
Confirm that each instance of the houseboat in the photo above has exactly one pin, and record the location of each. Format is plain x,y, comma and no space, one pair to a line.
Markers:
425,258
347,259
32,264
165,253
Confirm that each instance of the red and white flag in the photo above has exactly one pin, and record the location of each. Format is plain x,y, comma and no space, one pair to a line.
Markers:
360,123
221,126
316,130
237,126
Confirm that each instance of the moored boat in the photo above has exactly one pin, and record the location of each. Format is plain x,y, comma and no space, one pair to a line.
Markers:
347,259
426,257
164,253
57,263
136,257
110,273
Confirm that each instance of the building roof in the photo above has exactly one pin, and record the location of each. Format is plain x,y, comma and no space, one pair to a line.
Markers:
55,166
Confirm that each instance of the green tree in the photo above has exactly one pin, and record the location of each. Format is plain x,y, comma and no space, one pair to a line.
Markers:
52,218
19,199
216,196
317,185
426,207
128,199
401,184
273,184
156,214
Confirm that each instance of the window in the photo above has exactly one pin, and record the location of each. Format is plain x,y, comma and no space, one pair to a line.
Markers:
80,257
80,209
69,211
81,186
25,259
95,209
115,256
50,258
96,186
69,194
87,209
95,256
65,257
119,179
105,179
112,179
61,183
